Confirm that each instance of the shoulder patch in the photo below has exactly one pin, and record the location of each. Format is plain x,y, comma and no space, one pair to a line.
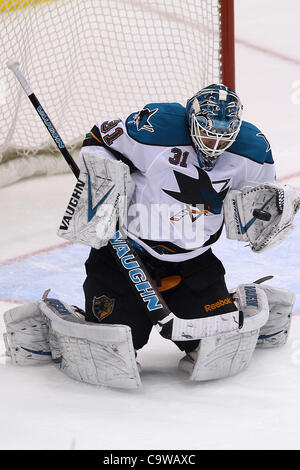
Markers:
253,144
162,124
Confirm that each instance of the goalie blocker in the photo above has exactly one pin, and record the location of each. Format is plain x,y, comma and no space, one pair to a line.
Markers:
98,202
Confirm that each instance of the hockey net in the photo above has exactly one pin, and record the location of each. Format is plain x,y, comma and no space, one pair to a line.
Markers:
91,59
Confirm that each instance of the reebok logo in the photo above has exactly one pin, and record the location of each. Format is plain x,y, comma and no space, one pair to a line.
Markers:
220,303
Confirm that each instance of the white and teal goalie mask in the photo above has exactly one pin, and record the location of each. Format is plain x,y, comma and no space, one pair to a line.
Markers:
214,119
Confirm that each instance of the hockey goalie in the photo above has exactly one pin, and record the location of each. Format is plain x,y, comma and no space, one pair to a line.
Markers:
168,178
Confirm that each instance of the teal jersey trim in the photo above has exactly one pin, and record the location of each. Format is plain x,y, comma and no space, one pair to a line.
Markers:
162,124
251,143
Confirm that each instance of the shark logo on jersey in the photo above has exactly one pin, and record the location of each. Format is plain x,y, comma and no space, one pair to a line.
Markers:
192,212
102,306
199,191
260,134
142,119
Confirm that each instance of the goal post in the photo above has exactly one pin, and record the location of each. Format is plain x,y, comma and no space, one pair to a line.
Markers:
94,59
227,43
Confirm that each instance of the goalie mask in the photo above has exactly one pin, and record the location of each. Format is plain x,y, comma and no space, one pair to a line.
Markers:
214,120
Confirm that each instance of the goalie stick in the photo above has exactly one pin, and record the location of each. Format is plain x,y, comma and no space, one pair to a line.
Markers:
168,324
14,67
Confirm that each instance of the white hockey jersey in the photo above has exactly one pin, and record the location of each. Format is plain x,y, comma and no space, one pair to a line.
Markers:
176,209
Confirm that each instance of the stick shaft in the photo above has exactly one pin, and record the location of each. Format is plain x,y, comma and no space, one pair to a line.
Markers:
14,67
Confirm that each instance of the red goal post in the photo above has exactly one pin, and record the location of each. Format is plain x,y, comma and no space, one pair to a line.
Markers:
94,59
227,43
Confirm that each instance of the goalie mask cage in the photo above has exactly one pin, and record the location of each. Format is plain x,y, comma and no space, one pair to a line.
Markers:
92,59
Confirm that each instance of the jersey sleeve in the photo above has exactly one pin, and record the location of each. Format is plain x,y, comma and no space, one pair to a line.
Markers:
140,138
255,150
101,138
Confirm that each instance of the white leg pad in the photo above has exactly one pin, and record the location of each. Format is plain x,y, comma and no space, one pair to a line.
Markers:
223,356
26,337
228,354
90,352
275,332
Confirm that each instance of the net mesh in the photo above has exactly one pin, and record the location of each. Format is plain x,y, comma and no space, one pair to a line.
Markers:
91,59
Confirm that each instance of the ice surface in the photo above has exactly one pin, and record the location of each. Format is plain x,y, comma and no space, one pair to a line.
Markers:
40,408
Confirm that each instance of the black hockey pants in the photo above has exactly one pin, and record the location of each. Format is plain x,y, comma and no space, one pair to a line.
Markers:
109,298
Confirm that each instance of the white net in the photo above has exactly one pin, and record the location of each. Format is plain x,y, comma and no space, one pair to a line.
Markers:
88,59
